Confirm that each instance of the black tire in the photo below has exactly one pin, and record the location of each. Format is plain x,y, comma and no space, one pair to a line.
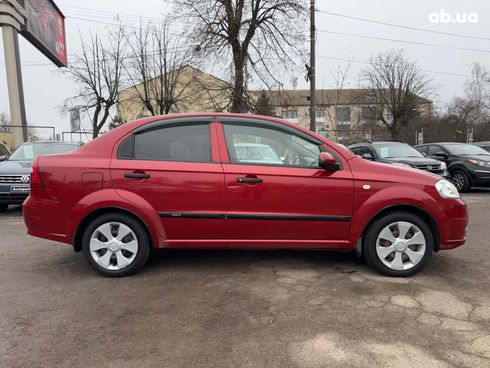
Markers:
371,236
144,244
461,180
4,207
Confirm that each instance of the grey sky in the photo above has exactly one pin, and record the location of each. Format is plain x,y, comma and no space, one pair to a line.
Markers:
45,88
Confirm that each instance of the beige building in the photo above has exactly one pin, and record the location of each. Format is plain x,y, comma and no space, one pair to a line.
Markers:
339,112
193,91
339,115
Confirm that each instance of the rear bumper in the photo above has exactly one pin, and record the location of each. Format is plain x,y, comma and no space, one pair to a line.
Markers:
41,218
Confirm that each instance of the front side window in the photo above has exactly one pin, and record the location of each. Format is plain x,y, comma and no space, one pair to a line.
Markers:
266,146
435,150
185,143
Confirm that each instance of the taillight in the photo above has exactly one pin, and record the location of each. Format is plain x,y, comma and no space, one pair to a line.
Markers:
36,179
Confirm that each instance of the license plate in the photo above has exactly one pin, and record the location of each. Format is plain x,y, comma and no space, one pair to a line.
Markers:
14,189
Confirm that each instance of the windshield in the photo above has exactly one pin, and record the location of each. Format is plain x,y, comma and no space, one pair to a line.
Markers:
465,149
29,151
395,150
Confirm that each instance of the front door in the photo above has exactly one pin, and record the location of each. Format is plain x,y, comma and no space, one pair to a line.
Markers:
276,194
173,169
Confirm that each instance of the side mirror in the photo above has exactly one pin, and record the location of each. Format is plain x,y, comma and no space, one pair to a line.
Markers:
3,158
327,161
367,156
441,155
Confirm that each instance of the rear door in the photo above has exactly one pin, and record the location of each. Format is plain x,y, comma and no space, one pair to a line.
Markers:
292,202
172,166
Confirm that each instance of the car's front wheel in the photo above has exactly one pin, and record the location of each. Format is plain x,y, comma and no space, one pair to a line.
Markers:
116,244
461,180
398,244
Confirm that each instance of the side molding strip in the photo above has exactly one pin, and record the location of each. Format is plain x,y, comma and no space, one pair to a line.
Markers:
248,216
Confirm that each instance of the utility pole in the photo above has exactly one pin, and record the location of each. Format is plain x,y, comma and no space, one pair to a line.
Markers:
312,68
12,18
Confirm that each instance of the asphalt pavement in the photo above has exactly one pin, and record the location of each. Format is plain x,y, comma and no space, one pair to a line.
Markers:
243,308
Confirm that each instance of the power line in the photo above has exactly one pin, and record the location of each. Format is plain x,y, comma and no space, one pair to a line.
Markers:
368,63
404,41
403,26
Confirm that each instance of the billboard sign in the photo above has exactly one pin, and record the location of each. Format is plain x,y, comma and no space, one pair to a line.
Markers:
45,29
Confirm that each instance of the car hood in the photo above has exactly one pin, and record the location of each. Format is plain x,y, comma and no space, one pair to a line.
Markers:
412,161
373,171
15,167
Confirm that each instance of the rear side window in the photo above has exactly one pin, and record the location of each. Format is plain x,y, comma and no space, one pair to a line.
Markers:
184,143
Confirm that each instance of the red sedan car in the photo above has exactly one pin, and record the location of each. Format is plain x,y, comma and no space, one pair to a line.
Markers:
237,181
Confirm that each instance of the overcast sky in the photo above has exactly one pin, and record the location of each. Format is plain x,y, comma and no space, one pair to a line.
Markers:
45,87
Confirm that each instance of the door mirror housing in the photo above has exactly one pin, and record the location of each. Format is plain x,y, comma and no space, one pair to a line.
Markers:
327,161
367,156
441,155
3,158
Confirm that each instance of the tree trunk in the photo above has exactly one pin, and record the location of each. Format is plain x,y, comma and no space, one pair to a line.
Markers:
237,101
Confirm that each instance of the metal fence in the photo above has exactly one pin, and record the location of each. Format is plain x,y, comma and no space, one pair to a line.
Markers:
34,133
79,137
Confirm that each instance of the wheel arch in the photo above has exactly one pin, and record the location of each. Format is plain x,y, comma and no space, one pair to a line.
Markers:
77,237
424,215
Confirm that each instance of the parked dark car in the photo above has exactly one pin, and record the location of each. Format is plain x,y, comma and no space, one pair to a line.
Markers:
15,169
398,153
468,165
180,181
485,145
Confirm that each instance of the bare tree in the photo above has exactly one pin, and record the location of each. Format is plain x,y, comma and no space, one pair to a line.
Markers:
156,67
472,110
259,35
399,90
263,105
97,70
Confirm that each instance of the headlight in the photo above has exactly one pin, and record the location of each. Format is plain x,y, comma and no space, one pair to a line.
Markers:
480,163
446,189
400,164
443,165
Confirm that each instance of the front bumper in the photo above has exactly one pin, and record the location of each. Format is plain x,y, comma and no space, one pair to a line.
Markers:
13,193
454,226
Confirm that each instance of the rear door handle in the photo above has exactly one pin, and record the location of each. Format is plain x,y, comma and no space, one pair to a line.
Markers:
249,180
136,175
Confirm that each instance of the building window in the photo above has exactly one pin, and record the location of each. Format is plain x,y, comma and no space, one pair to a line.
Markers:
290,114
368,113
320,114
342,114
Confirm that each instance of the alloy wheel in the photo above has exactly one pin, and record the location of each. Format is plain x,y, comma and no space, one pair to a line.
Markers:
458,180
401,245
113,245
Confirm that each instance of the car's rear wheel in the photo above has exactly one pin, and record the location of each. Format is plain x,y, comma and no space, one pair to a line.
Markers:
398,244
116,244
4,207
461,181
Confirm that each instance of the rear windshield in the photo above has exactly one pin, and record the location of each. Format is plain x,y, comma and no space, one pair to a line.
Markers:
29,151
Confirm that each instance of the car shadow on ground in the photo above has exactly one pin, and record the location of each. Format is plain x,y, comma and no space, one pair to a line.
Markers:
13,211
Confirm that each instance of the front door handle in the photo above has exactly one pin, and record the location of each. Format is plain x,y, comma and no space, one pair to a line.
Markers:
249,180
136,175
